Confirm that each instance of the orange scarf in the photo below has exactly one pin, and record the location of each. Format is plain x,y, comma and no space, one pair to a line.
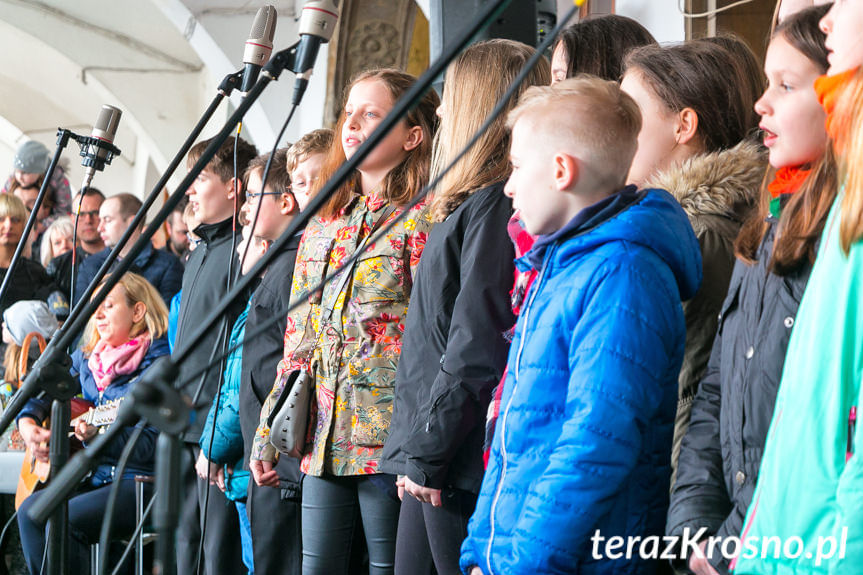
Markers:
828,90
787,181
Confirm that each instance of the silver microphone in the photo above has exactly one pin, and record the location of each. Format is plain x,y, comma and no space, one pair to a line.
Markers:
317,22
259,46
99,149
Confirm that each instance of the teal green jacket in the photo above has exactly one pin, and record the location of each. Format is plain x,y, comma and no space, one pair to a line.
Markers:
806,489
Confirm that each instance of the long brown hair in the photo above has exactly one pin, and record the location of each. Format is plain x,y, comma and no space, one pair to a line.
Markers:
403,182
701,76
475,82
597,46
802,219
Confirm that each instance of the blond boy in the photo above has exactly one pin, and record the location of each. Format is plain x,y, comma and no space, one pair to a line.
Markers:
583,442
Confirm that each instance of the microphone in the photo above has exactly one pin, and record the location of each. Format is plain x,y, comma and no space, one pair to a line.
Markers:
258,46
317,22
98,150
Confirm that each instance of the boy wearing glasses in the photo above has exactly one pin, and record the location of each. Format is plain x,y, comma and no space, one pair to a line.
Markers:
273,501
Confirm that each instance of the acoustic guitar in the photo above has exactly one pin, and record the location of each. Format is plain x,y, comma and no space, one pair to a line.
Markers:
34,473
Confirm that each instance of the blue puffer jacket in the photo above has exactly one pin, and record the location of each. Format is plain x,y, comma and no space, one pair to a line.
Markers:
226,447
583,442
143,457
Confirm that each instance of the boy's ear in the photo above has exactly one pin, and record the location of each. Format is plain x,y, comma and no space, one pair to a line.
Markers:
566,171
230,186
687,126
414,138
287,204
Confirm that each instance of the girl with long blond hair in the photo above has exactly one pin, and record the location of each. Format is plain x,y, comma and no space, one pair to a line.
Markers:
455,346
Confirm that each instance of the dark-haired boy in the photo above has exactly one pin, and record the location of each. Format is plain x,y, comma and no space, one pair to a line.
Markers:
205,281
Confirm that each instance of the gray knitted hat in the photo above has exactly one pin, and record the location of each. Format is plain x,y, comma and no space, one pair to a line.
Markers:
32,158
27,316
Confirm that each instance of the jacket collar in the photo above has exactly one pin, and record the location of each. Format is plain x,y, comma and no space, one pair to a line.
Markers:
723,183
585,220
210,232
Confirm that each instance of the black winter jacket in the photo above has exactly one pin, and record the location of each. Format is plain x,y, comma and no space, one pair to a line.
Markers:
454,350
204,284
262,354
721,451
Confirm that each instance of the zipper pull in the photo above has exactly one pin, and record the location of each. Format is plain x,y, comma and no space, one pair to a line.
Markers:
852,426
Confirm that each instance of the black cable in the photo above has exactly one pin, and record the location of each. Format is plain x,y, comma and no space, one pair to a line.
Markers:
497,111
264,177
135,535
73,275
230,280
6,527
108,519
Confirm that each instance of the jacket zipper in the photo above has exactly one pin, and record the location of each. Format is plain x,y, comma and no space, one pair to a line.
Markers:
506,414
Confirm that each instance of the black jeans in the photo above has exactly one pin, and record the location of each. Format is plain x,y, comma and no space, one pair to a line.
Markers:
330,508
222,550
430,538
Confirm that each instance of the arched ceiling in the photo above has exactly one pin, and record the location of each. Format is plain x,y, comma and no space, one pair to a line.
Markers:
160,61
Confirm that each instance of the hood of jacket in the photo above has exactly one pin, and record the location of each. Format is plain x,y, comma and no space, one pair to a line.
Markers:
723,183
649,218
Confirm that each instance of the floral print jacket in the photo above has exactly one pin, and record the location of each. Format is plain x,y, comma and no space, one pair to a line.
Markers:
354,355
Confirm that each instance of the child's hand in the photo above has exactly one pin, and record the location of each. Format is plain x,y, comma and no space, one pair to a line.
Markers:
85,432
35,437
424,494
206,469
263,473
699,564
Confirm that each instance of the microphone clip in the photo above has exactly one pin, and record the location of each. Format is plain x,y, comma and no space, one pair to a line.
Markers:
96,152
280,61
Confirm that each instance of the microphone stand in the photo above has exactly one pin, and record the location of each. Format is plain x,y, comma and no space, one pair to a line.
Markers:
57,552
81,312
154,399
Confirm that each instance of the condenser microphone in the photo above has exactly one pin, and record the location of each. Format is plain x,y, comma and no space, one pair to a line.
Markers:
98,150
317,22
259,46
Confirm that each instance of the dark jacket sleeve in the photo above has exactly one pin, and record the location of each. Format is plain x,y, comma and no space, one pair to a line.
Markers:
172,278
476,349
699,497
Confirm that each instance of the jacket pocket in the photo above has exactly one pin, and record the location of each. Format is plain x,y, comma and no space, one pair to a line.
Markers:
381,276
373,407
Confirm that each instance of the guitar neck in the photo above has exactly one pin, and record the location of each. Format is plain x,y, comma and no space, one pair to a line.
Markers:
100,416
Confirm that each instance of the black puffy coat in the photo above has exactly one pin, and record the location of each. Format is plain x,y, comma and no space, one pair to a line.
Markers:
454,350
721,451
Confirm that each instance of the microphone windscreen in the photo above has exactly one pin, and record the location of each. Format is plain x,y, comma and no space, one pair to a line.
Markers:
106,124
260,42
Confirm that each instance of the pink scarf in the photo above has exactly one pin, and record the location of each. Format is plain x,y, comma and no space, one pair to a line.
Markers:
107,362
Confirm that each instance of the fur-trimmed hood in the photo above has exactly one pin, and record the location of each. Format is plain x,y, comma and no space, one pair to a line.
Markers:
723,183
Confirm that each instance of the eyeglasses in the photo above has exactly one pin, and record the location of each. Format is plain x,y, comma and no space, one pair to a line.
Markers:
256,195
90,214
